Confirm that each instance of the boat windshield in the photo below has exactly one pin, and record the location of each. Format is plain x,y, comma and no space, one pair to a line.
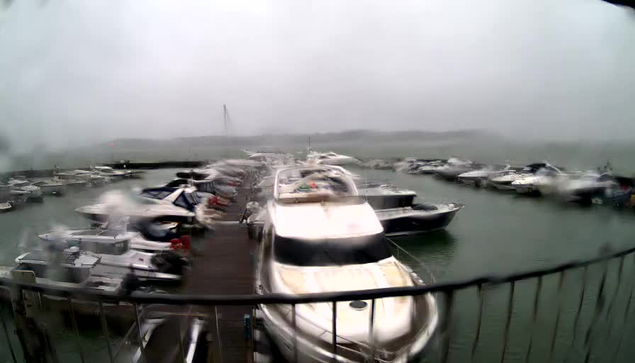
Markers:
156,193
331,252
301,184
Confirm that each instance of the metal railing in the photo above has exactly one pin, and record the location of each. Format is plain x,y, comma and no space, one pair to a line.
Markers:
581,308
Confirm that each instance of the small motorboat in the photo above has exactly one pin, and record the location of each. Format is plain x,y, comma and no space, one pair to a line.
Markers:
52,187
544,179
206,186
453,168
107,171
429,167
152,205
398,213
480,177
210,175
74,179
135,239
582,188
504,181
68,268
330,158
5,207
118,259
418,218
33,193
378,164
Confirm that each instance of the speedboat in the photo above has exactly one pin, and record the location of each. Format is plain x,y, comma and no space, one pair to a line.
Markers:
453,168
331,158
135,239
152,205
583,188
117,258
378,164
480,177
107,171
52,187
406,165
5,207
211,175
205,186
505,179
418,218
33,193
429,167
6,204
399,215
81,178
380,195
321,236
68,268
543,179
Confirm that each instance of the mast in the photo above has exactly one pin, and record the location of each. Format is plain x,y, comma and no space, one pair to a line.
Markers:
226,120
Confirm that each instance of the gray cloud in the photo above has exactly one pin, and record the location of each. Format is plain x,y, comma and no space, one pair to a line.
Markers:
79,72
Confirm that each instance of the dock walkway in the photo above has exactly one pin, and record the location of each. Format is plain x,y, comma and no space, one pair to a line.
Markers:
224,267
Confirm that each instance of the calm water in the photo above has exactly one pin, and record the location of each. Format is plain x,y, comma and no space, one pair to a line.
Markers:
495,233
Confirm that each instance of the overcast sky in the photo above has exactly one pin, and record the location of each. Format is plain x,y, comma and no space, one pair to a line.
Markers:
97,70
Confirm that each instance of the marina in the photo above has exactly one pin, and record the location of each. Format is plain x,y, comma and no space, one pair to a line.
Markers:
224,260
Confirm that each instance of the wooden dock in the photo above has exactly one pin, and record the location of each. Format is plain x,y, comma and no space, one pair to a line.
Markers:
225,267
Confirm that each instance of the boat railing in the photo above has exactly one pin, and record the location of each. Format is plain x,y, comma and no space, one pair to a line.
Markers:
574,311
412,262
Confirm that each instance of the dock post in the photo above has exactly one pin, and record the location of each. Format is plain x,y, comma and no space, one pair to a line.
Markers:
214,353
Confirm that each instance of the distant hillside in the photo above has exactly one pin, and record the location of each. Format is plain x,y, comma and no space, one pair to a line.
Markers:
352,136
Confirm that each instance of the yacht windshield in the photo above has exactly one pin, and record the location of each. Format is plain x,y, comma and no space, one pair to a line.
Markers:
331,252
301,184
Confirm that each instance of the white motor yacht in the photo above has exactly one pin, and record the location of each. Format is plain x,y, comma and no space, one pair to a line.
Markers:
480,177
545,179
453,168
153,204
320,236
107,171
52,187
69,268
331,158
582,188
504,181
33,193
428,167
83,178
116,256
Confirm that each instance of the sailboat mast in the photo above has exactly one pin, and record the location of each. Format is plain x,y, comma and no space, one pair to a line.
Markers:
226,120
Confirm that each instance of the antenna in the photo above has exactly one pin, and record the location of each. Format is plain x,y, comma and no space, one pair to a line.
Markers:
226,120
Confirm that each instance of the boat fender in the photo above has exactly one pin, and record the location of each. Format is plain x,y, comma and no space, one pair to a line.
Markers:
186,242
176,244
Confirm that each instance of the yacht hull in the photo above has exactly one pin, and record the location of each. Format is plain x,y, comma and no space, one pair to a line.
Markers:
404,221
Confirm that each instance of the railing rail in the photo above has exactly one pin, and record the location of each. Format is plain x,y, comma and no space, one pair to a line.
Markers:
274,298
446,294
